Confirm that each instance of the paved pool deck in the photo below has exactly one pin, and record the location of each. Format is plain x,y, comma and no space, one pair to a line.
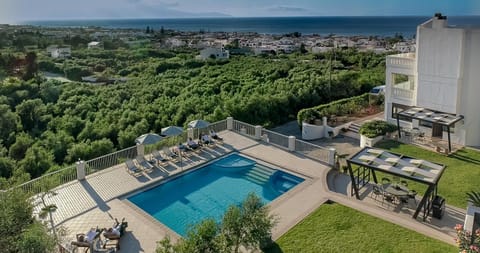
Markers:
100,198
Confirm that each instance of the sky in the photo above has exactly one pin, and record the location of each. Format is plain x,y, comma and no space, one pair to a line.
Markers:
13,11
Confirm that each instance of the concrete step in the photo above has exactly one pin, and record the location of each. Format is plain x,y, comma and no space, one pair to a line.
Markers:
354,127
259,175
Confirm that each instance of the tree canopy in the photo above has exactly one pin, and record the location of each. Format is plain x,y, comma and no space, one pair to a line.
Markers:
45,124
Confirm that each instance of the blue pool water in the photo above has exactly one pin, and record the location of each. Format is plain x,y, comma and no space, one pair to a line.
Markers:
207,192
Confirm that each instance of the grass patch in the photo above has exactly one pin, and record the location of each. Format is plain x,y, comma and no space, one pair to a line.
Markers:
460,176
336,228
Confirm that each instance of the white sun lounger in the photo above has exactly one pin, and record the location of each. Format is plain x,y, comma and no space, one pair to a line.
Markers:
132,168
144,163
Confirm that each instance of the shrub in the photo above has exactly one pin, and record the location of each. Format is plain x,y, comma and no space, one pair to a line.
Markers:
474,198
376,128
466,241
339,108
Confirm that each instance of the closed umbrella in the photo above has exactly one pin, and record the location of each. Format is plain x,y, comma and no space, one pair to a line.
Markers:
198,124
171,131
150,138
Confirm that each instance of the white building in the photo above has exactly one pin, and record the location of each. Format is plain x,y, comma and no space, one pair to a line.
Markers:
59,52
404,47
212,52
437,85
95,45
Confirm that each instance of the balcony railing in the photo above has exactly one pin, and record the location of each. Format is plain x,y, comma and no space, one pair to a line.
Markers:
275,138
68,174
110,160
401,60
313,151
48,181
402,93
243,128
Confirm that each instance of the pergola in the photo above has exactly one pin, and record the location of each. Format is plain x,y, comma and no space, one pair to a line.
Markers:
433,117
370,160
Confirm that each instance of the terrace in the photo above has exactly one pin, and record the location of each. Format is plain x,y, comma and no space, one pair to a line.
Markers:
101,196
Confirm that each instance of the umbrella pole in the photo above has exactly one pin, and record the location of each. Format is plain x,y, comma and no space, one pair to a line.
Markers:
180,155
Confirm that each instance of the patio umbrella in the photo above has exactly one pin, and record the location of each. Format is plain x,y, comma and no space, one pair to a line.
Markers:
150,138
198,124
171,131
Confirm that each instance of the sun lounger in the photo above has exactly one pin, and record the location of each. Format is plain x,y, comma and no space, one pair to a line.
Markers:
144,163
158,157
169,153
86,240
115,233
132,168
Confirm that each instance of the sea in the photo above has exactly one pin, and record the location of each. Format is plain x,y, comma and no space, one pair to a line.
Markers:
348,26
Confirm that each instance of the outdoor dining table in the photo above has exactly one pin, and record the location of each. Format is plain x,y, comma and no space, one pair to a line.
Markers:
397,190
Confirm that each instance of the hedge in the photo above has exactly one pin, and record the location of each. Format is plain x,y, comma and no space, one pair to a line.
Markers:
340,107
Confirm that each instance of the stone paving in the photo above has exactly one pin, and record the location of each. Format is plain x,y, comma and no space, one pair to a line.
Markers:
100,198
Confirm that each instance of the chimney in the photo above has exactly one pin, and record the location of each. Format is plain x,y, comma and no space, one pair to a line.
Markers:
439,21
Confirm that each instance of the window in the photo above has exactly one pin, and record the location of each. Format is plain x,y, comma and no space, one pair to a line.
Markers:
396,108
402,81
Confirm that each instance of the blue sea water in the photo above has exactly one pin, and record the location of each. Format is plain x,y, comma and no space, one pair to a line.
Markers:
381,26
208,191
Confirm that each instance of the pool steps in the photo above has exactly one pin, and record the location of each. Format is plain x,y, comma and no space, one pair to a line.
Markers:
259,175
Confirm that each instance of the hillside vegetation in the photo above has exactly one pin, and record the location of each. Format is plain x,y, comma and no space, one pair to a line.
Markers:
45,124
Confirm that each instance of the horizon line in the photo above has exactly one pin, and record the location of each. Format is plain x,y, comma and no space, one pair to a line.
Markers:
232,17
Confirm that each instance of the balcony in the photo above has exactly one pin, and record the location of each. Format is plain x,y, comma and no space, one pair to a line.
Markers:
406,60
400,93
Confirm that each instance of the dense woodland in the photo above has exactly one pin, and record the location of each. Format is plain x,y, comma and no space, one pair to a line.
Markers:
45,124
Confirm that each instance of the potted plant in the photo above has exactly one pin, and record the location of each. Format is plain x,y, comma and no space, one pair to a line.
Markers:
373,131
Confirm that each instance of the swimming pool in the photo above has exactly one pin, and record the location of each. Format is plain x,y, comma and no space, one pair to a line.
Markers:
208,191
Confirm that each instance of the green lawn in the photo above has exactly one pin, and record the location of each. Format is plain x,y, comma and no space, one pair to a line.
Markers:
336,228
461,175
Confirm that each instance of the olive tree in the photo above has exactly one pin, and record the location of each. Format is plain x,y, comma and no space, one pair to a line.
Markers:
248,225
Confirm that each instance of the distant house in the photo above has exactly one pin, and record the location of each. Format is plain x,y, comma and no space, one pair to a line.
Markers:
59,52
215,53
95,45
403,47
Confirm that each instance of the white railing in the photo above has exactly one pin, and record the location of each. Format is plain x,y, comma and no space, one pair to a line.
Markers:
110,160
402,60
275,138
402,93
69,174
243,128
313,151
218,126
49,180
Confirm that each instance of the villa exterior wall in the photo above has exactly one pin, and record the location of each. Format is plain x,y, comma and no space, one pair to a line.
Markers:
446,78
439,63
469,101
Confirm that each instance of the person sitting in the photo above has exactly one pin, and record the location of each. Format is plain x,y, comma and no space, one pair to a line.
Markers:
85,240
113,232
206,139
192,144
117,230
214,135
180,149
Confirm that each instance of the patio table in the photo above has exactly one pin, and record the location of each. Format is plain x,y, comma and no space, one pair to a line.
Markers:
397,191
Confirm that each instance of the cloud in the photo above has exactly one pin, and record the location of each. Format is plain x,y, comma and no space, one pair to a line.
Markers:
283,8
